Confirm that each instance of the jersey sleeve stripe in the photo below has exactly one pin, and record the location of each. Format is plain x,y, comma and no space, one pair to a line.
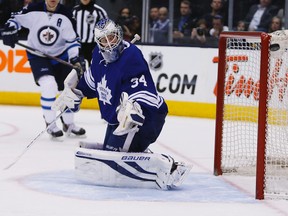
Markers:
89,80
148,98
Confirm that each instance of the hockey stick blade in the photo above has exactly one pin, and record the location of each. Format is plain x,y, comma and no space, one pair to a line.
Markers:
26,149
33,141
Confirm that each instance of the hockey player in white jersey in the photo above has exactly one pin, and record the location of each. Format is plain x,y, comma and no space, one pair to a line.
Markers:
120,79
51,31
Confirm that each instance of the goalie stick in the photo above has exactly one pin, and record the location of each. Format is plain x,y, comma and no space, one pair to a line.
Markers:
33,141
136,38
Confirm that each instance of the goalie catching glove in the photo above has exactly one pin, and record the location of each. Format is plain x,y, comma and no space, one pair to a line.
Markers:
129,115
70,97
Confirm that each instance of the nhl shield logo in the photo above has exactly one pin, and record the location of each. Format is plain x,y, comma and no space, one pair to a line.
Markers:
90,19
155,61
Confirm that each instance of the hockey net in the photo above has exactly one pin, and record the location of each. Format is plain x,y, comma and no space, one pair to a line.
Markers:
252,111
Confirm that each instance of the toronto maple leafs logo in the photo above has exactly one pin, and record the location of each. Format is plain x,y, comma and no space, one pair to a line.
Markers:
103,91
102,23
48,35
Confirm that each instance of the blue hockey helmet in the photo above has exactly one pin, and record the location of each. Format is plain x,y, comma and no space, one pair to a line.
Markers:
109,38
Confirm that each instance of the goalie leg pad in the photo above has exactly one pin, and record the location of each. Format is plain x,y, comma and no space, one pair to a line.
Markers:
118,169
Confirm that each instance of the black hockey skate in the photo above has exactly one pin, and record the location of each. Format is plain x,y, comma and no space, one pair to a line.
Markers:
72,129
54,131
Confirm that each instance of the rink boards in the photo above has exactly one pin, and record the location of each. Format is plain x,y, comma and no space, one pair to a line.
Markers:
185,76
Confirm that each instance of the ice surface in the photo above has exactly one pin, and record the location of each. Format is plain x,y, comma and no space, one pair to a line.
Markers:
42,182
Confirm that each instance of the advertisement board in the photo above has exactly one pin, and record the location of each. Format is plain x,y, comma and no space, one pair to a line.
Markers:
184,76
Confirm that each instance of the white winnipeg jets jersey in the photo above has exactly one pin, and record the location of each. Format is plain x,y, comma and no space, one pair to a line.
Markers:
52,33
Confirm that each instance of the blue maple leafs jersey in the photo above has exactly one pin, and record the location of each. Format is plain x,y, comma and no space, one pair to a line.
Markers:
52,33
130,73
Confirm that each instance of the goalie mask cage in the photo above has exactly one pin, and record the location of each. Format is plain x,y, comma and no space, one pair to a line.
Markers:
251,136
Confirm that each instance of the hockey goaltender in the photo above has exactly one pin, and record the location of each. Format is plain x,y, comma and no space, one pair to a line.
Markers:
120,79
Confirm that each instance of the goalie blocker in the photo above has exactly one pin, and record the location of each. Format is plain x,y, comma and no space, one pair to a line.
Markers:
119,169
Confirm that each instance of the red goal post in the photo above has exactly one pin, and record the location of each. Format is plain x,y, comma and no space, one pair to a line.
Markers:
251,135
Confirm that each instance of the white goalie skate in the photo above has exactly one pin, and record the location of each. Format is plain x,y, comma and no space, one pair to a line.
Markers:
176,175
179,174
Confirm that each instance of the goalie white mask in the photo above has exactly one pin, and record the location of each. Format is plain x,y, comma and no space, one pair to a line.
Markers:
109,38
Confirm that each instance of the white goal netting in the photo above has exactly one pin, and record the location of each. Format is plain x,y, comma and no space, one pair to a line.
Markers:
240,113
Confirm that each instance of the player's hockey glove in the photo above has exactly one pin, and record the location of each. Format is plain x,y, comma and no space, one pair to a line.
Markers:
70,97
129,115
9,36
79,65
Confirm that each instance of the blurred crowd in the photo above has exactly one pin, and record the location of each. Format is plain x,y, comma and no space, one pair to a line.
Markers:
195,27
193,23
